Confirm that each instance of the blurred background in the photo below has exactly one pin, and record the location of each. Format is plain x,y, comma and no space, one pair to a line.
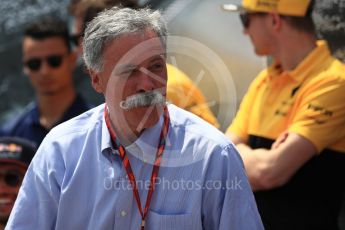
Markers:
207,44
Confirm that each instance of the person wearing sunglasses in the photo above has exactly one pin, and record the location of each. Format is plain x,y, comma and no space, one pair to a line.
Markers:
290,127
49,63
15,157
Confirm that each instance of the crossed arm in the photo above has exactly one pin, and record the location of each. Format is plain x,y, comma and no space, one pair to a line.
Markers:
270,168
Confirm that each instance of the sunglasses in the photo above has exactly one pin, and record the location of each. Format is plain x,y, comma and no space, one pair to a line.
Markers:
54,61
12,178
245,18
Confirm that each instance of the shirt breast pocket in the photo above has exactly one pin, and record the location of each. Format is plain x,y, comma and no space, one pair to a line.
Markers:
156,221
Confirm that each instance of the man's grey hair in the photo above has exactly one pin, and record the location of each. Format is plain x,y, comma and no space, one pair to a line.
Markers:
114,23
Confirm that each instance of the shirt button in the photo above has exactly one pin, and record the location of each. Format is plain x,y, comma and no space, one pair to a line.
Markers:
123,213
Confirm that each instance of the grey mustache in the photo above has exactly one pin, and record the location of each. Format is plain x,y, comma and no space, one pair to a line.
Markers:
142,99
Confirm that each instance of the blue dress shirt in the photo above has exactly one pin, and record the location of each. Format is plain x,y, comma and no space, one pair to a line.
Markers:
76,182
28,125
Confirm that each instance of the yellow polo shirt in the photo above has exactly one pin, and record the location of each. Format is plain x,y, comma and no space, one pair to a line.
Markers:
309,101
183,93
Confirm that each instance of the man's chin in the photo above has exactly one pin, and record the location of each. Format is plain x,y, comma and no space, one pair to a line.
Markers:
147,116
48,93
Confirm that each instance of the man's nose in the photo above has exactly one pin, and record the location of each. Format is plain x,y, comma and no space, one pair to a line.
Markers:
45,68
146,82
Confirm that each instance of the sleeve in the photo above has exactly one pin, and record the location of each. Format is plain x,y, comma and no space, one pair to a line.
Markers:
228,201
320,115
239,124
183,93
38,198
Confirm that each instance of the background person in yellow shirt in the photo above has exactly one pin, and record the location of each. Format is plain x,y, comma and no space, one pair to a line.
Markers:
290,128
181,91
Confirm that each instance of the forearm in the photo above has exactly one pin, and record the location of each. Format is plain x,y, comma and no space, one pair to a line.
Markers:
270,168
262,167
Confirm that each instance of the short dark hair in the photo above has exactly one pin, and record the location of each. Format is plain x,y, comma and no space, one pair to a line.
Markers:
305,23
46,27
88,9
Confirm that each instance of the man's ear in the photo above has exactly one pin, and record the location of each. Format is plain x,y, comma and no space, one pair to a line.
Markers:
276,21
96,81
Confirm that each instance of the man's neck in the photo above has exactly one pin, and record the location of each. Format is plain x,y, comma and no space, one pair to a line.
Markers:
293,50
53,106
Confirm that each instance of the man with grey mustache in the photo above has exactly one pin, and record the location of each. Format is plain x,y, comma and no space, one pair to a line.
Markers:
134,162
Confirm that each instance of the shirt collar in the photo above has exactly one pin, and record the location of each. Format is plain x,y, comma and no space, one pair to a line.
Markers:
146,145
105,139
314,59
147,142
77,107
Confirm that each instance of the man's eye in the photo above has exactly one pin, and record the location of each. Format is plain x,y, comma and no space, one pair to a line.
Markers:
156,66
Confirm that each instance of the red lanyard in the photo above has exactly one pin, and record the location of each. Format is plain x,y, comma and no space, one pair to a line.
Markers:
127,165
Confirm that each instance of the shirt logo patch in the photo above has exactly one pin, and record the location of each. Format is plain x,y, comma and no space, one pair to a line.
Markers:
322,114
273,4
